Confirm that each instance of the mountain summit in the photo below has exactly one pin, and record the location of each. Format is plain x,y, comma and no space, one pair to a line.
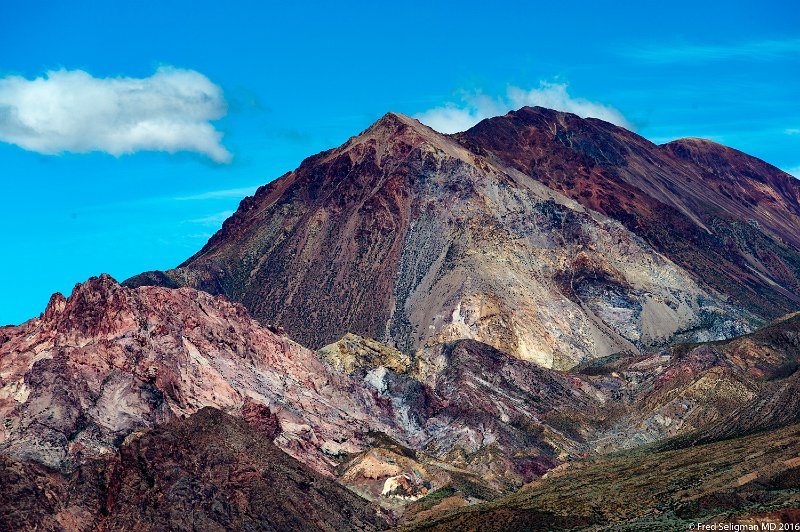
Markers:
551,237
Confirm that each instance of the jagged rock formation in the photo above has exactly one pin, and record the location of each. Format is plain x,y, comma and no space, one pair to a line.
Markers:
553,238
111,360
352,353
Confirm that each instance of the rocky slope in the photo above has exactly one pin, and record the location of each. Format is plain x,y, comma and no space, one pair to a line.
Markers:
730,219
706,391
488,414
550,237
772,357
208,472
752,479
111,360
703,392
509,421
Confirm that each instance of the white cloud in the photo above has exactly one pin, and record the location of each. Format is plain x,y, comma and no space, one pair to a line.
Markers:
452,118
792,131
555,96
221,194
793,171
213,219
71,111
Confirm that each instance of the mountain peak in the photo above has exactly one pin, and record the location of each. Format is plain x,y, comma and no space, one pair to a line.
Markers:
394,133
541,116
394,123
88,310
393,116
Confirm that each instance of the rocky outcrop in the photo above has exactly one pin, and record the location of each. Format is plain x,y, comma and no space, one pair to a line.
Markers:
463,419
111,360
353,353
703,392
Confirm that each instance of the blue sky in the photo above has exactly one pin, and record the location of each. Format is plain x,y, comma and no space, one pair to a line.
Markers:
241,92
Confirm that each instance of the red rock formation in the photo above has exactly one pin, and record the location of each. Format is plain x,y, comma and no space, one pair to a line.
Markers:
111,360
103,367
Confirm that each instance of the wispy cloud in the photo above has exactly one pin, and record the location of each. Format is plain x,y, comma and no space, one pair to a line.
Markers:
72,111
199,236
694,53
221,194
213,219
795,171
453,117
792,131
555,96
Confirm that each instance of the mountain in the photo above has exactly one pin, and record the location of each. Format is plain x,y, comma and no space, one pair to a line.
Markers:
114,377
703,392
728,218
772,356
550,237
109,361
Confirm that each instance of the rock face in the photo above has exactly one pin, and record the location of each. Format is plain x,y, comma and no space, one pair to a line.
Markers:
771,357
701,392
354,352
553,238
208,472
111,360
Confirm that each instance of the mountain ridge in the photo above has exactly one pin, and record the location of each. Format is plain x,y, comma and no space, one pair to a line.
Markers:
626,180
